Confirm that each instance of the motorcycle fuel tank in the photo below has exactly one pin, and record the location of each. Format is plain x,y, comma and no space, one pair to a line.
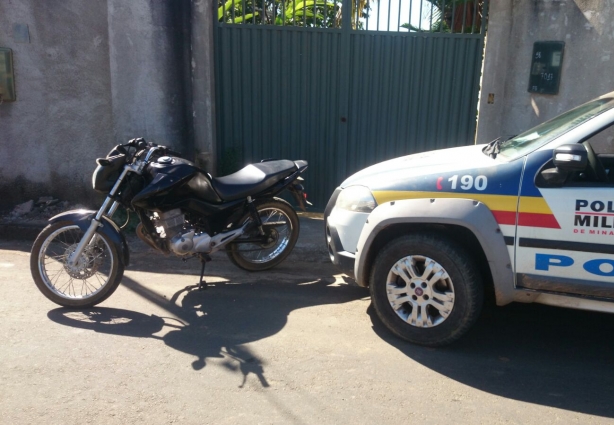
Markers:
171,180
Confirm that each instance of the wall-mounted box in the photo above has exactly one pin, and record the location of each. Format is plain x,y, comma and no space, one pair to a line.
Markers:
546,66
7,81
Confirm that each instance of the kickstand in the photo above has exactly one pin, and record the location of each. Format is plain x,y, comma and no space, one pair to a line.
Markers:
204,259
202,284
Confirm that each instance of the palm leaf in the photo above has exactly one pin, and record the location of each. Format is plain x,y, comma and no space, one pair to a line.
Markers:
225,8
240,19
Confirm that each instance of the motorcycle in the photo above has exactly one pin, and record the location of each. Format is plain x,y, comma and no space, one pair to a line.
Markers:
78,260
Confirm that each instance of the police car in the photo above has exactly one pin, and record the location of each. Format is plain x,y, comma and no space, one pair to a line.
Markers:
530,219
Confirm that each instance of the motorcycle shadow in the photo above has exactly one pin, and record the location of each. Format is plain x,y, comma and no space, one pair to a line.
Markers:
216,323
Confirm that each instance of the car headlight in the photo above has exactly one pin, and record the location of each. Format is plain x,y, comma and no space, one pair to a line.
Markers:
356,198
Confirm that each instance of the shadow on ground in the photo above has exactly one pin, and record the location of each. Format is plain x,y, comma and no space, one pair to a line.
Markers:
533,353
215,323
537,354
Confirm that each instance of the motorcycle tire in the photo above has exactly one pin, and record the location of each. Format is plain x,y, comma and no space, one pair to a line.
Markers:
282,237
93,278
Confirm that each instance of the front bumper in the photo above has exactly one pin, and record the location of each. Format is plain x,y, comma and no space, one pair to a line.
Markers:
343,229
339,257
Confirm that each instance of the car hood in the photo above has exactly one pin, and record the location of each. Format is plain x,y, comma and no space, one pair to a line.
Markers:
385,174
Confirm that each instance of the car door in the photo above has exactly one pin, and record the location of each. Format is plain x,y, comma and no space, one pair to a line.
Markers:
565,233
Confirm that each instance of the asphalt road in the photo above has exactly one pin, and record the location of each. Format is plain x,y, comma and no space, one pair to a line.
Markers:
296,345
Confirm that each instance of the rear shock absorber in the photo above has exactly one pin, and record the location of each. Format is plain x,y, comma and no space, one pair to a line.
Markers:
254,212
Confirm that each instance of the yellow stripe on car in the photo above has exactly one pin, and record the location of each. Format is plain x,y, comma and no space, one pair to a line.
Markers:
528,204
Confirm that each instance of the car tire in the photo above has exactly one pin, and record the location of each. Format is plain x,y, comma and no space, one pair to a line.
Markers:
426,289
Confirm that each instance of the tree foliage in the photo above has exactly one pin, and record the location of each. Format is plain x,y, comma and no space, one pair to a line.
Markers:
309,13
454,16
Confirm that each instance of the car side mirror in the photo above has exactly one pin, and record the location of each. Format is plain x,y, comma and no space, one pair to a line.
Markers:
566,159
569,158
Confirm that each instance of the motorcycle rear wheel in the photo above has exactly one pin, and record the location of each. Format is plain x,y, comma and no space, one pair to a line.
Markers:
282,231
93,278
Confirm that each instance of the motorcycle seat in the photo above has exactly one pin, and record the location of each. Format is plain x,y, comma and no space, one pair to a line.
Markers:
252,179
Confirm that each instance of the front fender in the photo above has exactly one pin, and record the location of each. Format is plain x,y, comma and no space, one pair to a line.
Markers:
468,213
83,218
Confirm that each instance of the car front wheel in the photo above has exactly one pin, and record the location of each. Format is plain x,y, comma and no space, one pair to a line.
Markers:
426,289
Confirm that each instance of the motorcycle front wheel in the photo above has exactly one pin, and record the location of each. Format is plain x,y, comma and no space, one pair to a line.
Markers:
281,226
94,277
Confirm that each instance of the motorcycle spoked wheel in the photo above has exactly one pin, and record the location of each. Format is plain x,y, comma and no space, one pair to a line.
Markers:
93,278
282,237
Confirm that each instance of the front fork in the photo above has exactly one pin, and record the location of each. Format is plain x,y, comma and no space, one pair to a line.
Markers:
136,167
89,233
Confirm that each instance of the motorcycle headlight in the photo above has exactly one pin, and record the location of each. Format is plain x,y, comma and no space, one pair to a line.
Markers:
107,172
356,198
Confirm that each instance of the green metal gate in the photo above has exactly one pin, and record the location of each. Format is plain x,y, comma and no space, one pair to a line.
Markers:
300,79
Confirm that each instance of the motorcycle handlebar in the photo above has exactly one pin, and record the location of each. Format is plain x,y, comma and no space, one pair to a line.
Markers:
140,145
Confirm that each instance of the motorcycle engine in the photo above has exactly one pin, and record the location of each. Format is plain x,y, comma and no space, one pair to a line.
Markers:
171,225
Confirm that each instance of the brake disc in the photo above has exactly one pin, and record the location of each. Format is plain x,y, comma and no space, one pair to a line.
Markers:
87,264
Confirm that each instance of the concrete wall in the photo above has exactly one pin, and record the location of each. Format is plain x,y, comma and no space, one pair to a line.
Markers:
203,90
149,55
63,113
91,75
586,27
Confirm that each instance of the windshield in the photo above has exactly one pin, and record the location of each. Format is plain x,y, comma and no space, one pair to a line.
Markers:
548,131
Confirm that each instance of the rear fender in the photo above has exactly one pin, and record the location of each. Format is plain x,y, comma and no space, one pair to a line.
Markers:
279,187
298,192
83,218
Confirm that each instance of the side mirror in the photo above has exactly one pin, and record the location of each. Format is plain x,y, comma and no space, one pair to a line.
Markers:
568,158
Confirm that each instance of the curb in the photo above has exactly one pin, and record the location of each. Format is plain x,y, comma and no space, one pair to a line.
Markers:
21,231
